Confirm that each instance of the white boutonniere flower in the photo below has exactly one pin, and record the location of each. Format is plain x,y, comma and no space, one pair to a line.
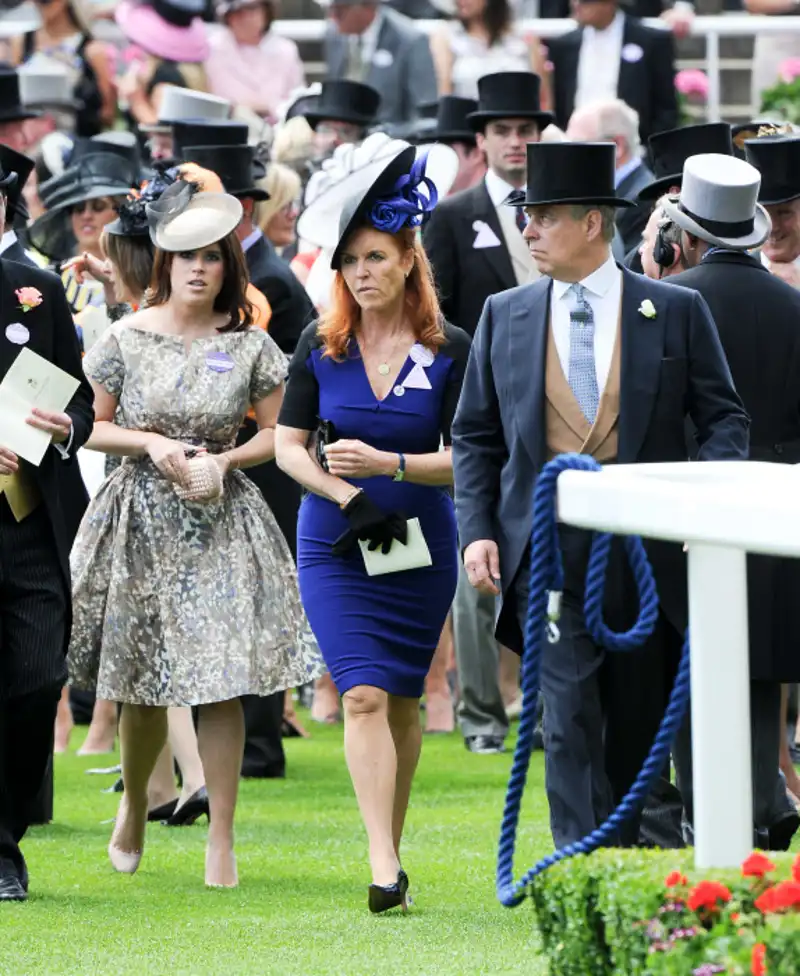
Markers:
648,309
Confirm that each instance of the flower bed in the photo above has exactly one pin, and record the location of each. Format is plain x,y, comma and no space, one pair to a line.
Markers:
649,913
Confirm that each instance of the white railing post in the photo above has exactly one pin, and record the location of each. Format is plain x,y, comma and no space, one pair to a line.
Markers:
721,764
713,106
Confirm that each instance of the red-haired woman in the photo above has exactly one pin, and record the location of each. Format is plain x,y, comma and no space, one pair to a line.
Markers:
378,379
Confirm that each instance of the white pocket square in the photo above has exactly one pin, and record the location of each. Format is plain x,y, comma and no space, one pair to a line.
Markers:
632,52
485,236
417,379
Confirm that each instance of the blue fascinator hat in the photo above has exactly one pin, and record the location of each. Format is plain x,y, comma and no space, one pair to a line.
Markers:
401,196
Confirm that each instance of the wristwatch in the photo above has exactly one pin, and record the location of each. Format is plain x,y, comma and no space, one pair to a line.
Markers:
400,473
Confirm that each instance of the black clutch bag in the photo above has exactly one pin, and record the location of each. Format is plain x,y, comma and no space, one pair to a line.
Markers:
326,434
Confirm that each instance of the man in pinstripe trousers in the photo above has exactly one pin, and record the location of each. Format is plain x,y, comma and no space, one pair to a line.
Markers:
35,611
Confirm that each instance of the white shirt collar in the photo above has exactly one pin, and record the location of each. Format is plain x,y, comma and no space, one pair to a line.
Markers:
251,239
7,240
599,282
497,188
617,26
369,39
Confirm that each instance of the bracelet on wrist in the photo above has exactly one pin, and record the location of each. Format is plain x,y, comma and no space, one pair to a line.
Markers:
233,464
346,501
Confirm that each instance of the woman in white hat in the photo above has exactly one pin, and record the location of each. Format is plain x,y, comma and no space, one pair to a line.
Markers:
185,592
65,39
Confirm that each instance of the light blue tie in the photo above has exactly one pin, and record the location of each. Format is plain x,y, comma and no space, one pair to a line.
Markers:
582,370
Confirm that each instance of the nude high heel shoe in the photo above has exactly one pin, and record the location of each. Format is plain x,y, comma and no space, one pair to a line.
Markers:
126,862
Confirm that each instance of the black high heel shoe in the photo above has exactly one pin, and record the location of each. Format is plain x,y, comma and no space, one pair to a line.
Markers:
384,897
191,811
161,813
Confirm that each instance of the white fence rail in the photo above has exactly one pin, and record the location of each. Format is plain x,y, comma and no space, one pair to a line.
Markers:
712,28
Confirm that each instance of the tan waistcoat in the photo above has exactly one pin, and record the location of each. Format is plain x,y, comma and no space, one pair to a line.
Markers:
21,491
567,430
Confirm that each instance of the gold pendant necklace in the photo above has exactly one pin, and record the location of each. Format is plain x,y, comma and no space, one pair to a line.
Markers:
383,369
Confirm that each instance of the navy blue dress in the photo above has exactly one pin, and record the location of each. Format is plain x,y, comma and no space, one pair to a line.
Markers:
377,630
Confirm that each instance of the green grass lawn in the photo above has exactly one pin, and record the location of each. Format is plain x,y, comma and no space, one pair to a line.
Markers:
301,907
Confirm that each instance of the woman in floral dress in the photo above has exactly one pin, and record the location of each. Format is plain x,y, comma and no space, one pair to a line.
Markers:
184,595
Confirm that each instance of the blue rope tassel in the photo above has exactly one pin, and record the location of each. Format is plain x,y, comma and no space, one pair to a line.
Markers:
547,576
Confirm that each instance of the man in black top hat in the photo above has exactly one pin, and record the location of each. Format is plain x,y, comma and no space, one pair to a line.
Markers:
476,248
16,211
342,113
612,55
757,316
595,359
777,158
668,153
13,114
34,556
450,126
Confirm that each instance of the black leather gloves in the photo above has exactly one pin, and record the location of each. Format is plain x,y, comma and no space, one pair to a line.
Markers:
369,523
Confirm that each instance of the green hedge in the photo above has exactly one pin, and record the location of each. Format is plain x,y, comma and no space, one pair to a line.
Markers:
596,916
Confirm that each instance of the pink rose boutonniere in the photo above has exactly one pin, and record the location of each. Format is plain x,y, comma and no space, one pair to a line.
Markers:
28,298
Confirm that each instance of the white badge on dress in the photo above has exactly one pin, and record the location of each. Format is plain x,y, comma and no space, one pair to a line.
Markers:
632,53
220,362
417,379
17,333
485,236
383,58
399,390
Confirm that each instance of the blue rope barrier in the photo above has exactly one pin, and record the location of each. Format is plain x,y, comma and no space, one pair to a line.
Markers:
547,579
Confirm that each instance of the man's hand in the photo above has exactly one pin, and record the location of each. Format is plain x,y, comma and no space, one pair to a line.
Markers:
58,425
9,463
482,562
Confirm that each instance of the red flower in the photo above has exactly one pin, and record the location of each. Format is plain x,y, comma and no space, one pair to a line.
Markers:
780,898
796,869
758,962
707,894
676,879
757,865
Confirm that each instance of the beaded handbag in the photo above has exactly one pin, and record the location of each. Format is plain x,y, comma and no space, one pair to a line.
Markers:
204,483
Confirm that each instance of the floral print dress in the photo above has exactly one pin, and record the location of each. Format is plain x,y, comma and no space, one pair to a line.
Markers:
174,602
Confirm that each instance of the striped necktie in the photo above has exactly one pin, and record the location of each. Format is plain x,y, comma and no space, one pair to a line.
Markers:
582,369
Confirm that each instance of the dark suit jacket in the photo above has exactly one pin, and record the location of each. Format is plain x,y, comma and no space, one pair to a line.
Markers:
758,317
648,85
671,365
465,275
405,80
637,8
291,307
631,221
52,336
16,253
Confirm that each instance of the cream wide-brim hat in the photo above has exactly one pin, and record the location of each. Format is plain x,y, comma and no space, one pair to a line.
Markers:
208,218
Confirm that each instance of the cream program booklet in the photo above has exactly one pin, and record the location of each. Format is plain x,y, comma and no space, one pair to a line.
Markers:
413,555
31,382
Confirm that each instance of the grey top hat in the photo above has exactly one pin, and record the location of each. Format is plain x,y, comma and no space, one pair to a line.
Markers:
185,105
46,86
718,202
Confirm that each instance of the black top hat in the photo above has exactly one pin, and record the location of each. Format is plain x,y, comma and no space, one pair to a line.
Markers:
11,108
13,162
777,158
395,189
509,95
98,175
671,149
207,134
232,164
97,145
570,172
179,13
451,119
345,101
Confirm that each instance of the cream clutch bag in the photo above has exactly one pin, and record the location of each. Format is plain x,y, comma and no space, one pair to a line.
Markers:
205,480
413,555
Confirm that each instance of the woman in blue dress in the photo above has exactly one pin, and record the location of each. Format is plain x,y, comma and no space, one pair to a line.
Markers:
376,382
